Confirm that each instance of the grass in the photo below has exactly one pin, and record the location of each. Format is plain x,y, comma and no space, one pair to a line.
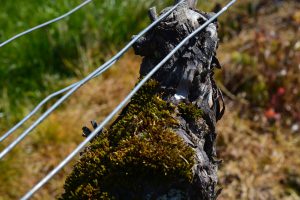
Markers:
256,140
69,48
258,147
56,137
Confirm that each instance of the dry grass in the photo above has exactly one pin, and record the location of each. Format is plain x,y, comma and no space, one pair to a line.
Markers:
259,148
261,158
61,132
256,165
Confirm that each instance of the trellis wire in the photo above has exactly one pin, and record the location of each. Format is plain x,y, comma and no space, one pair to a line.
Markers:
99,70
45,24
48,98
121,105
3,137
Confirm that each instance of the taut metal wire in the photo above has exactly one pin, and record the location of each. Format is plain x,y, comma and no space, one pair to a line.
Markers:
122,104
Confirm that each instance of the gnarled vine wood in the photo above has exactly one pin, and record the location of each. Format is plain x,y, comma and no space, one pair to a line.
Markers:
162,145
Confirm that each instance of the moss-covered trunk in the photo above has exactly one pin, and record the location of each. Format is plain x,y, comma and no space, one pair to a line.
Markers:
162,144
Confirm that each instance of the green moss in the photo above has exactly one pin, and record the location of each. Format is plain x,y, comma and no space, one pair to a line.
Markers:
140,150
190,111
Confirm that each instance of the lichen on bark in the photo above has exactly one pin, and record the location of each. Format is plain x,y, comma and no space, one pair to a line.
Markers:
162,145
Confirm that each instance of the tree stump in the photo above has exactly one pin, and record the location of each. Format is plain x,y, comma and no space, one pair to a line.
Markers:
162,145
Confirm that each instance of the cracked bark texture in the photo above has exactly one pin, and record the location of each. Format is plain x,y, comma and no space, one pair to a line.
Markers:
188,77
185,80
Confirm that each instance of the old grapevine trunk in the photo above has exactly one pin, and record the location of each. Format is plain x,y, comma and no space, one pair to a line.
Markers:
162,145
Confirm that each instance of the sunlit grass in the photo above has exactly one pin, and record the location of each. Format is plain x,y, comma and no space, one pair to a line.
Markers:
61,132
256,154
34,65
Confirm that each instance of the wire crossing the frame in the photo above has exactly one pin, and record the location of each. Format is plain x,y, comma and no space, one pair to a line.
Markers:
122,104
46,23
71,89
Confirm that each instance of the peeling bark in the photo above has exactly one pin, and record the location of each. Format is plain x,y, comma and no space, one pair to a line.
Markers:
188,77
185,83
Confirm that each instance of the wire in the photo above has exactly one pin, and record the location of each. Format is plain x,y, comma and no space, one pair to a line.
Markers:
46,23
43,102
52,95
101,69
8,133
121,105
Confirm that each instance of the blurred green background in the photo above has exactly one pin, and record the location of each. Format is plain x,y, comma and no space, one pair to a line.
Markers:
42,61
259,137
